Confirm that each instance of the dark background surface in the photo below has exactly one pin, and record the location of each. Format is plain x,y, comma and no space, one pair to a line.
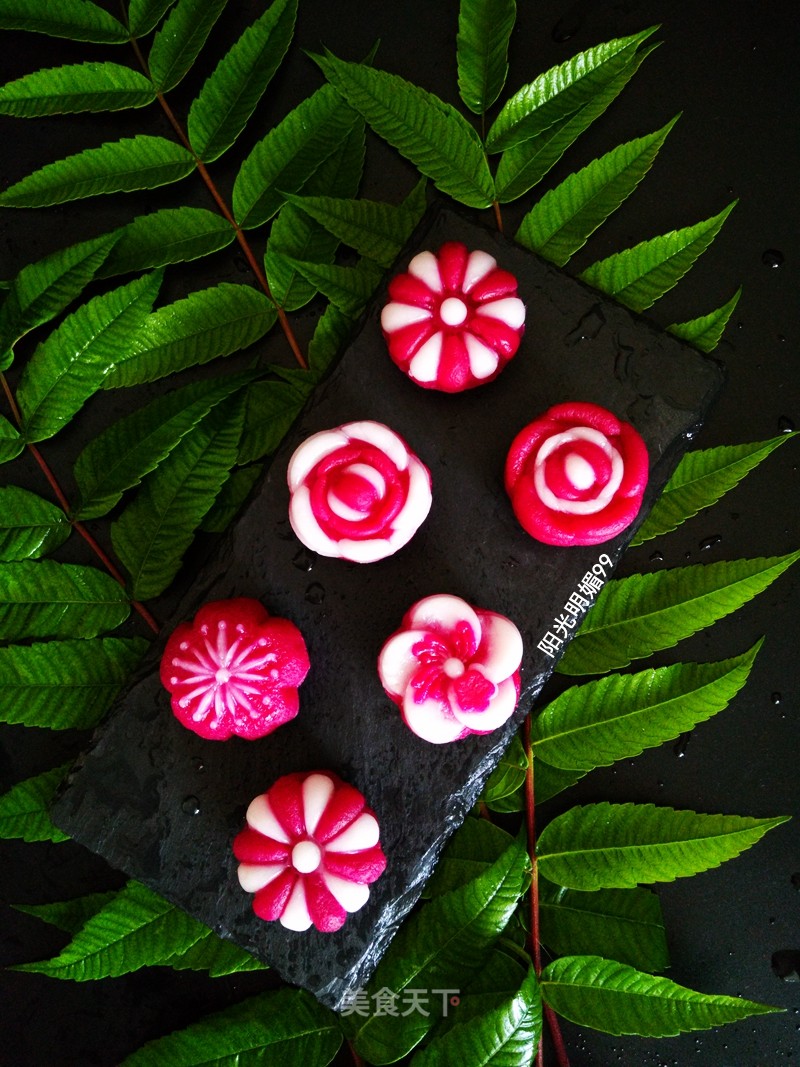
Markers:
731,70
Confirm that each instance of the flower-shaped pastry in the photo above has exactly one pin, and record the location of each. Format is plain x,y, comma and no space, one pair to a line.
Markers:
357,492
453,670
234,670
310,851
576,475
454,319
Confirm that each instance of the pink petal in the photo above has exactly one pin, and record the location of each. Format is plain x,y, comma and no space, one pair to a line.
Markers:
324,909
360,834
286,800
295,915
344,807
249,846
432,721
397,662
269,902
501,708
500,651
363,866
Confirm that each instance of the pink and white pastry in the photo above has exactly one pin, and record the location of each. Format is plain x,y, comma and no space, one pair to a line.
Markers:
234,670
310,852
454,319
576,475
452,669
358,492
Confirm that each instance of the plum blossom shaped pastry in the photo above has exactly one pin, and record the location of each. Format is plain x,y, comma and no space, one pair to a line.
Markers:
234,670
454,319
309,852
452,669
357,492
576,475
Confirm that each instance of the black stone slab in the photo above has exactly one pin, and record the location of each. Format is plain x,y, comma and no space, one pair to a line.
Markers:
164,805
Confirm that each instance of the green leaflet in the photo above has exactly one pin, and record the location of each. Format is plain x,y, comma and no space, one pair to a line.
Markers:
699,480
271,409
214,956
75,87
562,221
134,929
497,982
348,288
145,15
616,999
154,531
72,363
431,133
640,275
178,43
141,162
508,777
204,325
560,91
476,845
443,944
77,20
618,716
229,97
24,809
504,1036
643,613
29,526
704,333
123,454
172,235
63,685
621,924
287,1026
284,160
68,915
330,335
11,443
230,499
617,846
550,781
43,598
484,28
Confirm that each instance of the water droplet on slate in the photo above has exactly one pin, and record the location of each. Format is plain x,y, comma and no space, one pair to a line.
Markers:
772,258
776,698
785,424
786,965
191,806
198,764
710,542
304,560
315,593
588,328
682,743
657,557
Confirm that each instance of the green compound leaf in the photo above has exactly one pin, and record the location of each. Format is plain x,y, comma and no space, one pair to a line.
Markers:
172,235
68,915
476,845
704,333
204,325
73,362
178,43
11,442
348,288
30,527
622,924
156,528
75,87
619,716
123,454
214,956
643,613
442,945
145,15
561,91
287,1026
616,999
43,598
25,809
700,480
141,162
617,846
63,685
426,130
76,20
270,410
640,275
565,217
504,1036
231,94
484,29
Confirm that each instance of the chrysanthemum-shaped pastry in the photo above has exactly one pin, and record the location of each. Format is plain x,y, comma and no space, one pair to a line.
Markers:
357,492
452,669
576,475
454,319
234,670
309,852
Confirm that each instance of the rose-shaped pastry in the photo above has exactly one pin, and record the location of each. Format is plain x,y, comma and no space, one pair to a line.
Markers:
454,319
234,670
453,670
357,492
310,852
576,475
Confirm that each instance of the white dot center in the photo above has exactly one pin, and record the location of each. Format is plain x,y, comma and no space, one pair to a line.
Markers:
453,667
453,311
223,675
306,857
579,471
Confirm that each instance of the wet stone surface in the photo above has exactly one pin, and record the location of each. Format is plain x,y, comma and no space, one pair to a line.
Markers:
138,798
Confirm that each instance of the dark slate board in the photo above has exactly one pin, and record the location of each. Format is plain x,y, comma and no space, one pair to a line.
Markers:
164,805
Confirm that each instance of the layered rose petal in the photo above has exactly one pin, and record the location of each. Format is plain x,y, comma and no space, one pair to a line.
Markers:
452,670
454,319
576,475
309,852
357,492
234,670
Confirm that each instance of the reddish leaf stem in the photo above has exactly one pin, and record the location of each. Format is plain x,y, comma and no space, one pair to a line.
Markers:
357,1061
